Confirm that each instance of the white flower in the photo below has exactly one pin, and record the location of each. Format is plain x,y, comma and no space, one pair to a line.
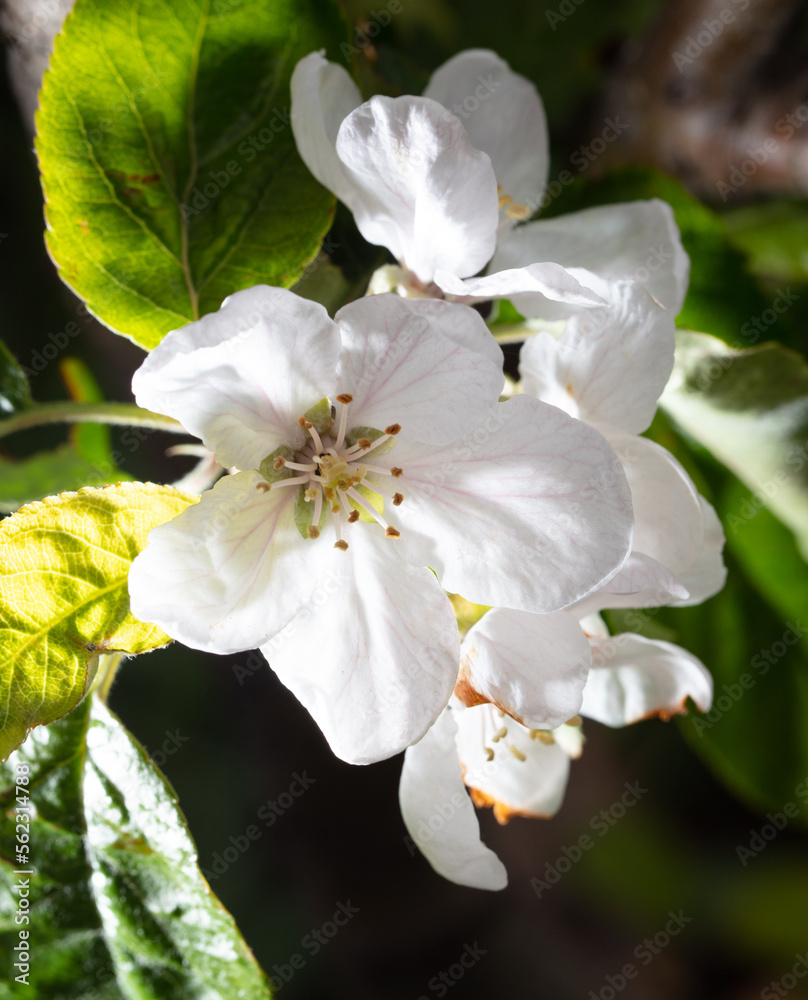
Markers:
373,446
520,768
609,367
444,181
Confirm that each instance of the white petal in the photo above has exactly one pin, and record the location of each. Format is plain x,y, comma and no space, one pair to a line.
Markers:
375,656
323,95
542,289
533,667
430,366
611,364
503,115
241,377
633,678
634,241
427,194
228,572
707,574
530,511
534,786
438,813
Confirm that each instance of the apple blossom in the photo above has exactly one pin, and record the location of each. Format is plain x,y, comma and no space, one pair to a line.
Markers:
377,467
445,181
519,765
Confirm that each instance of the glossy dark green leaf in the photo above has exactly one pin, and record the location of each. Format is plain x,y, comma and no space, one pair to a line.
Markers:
774,236
48,473
168,162
117,905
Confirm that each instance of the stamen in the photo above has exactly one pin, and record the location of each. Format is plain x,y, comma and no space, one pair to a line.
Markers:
318,509
504,199
364,443
500,733
311,494
396,472
305,424
313,531
489,753
398,499
341,544
391,532
516,753
393,429
576,720
345,397
318,444
279,462
543,736
353,517
518,212
293,481
358,498
293,465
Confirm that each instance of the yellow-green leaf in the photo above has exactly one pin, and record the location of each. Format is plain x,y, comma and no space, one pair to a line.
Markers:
64,563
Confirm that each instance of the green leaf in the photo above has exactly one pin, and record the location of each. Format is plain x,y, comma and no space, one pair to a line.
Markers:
722,296
750,409
92,441
63,598
169,167
774,236
50,472
15,393
118,907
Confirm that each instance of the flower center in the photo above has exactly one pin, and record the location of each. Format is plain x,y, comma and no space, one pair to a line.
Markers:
333,474
514,211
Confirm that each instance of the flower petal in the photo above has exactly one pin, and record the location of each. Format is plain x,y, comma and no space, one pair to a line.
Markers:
428,365
375,655
707,574
228,572
239,378
610,365
530,511
426,193
323,95
530,782
438,813
633,241
533,667
503,114
541,289
633,678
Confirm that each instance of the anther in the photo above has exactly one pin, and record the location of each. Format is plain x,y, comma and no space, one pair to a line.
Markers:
279,462
353,517
576,720
516,753
489,753
311,494
305,424
364,443
396,472
313,531
345,397
518,212
341,544
543,736
398,499
392,429
392,532
504,199
499,734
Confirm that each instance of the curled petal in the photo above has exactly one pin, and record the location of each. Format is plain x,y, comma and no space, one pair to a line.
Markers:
438,813
374,655
610,365
323,95
533,667
635,241
633,678
228,572
426,193
503,114
241,377
430,366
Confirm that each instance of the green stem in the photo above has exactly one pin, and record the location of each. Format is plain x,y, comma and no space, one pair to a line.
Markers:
124,414
513,333
108,664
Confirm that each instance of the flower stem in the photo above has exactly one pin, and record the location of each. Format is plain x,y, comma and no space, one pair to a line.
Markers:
512,333
108,664
125,414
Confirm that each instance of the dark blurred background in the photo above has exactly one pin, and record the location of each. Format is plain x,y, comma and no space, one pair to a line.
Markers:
232,739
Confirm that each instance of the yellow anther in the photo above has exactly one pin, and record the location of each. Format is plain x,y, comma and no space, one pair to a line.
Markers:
392,533
518,212
504,199
543,735
516,753
576,720
489,753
